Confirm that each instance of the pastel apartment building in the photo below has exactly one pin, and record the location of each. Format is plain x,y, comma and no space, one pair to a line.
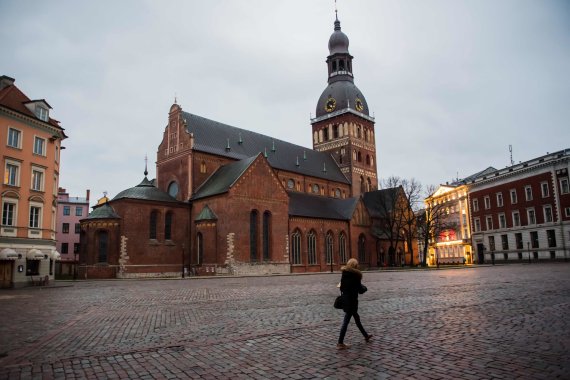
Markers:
70,210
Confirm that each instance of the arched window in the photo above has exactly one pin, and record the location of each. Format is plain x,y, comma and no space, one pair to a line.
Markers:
153,222
362,184
326,133
168,226
362,248
335,131
334,66
368,184
358,132
296,247
312,247
266,235
200,248
103,246
203,167
341,65
329,248
367,160
342,248
253,233
359,156
173,189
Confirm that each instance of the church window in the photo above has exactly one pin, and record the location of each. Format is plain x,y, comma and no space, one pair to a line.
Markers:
342,248
335,131
362,248
103,245
173,189
266,235
362,184
371,161
200,248
368,184
341,65
290,184
358,132
358,156
296,247
168,226
367,160
315,188
337,193
153,222
203,167
253,233
329,248
366,135
316,136
333,66
312,247
354,155
326,133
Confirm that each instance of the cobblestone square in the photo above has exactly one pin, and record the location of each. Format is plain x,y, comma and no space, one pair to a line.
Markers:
488,322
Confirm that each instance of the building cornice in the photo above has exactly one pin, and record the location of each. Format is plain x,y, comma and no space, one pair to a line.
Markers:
56,131
341,112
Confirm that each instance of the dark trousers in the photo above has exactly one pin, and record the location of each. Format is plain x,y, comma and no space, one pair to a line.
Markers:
345,322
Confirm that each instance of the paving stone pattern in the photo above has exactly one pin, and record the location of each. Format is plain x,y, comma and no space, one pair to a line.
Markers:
489,322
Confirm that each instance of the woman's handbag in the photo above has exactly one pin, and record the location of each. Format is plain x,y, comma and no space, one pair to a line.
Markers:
338,302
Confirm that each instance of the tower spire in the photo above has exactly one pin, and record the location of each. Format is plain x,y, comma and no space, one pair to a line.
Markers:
145,165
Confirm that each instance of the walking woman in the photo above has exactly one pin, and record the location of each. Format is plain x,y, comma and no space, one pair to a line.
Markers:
350,287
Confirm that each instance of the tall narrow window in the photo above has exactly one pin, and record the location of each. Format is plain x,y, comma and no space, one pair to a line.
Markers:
329,248
296,247
491,243
35,216
544,189
548,214
499,199
153,221
513,196
199,248
8,214
342,248
11,174
37,180
534,239
168,226
312,247
528,193
475,205
253,233
505,242
14,138
519,240
39,146
531,216
266,235
362,248
103,243
551,237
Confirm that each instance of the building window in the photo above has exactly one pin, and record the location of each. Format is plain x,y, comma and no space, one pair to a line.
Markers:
266,235
296,247
11,175
315,188
489,221
502,221
551,237
534,239
329,248
531,217
312,247
203,167
342,248
37,180
528,193
64,248
362,248
35,217
168,226
66,210
14,138
42,113
173,189
544,189
477,224
519,240
475,205
548,214
505,242
200,248
152,224
39,146
516,219
9,214
79,211
103,243
253,234
491,243
513,196
499,199
487,201
564,187
65,228
290,184
567,211
77,228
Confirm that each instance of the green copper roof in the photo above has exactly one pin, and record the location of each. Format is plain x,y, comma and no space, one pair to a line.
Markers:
206,214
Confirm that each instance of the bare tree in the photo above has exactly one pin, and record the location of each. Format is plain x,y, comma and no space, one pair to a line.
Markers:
413,192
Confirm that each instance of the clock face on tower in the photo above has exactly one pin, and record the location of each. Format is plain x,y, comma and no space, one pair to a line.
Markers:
330,104
359,105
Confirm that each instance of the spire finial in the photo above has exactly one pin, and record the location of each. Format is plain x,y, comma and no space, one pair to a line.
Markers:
145,165
335,11
336,21
175,98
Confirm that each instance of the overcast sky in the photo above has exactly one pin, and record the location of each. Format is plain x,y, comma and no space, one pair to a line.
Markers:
451,83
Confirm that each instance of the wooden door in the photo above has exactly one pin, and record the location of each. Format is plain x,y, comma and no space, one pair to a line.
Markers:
6,273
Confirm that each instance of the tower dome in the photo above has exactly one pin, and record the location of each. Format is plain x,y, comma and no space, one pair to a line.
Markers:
338,42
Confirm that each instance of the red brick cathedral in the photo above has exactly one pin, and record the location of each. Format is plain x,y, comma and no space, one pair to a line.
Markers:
231,201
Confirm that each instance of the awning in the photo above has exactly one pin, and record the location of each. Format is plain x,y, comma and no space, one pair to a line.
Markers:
8,254
55,256
35,254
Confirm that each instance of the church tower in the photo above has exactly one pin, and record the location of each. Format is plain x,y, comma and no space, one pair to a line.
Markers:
343,126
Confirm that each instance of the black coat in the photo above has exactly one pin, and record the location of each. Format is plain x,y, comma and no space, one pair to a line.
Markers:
351,286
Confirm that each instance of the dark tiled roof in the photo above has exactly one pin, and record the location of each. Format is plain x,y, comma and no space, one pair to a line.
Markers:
223,178
315,206
213,137
145,191
468,179
104,211
206,214
380,202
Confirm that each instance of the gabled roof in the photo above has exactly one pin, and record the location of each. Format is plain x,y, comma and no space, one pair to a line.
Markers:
206,214
380,202
315,206
223,178
104,211
213,137
145,191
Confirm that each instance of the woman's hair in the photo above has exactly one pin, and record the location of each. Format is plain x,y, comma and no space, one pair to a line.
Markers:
352,263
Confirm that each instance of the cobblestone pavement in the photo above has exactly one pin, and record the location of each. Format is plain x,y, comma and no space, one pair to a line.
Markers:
494,322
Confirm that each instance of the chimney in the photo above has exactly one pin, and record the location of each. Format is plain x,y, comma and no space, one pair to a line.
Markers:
87,196
6,81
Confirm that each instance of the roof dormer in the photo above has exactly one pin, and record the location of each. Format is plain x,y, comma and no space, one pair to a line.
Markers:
40,108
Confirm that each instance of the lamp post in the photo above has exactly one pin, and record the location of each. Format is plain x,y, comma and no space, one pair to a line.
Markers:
528,249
